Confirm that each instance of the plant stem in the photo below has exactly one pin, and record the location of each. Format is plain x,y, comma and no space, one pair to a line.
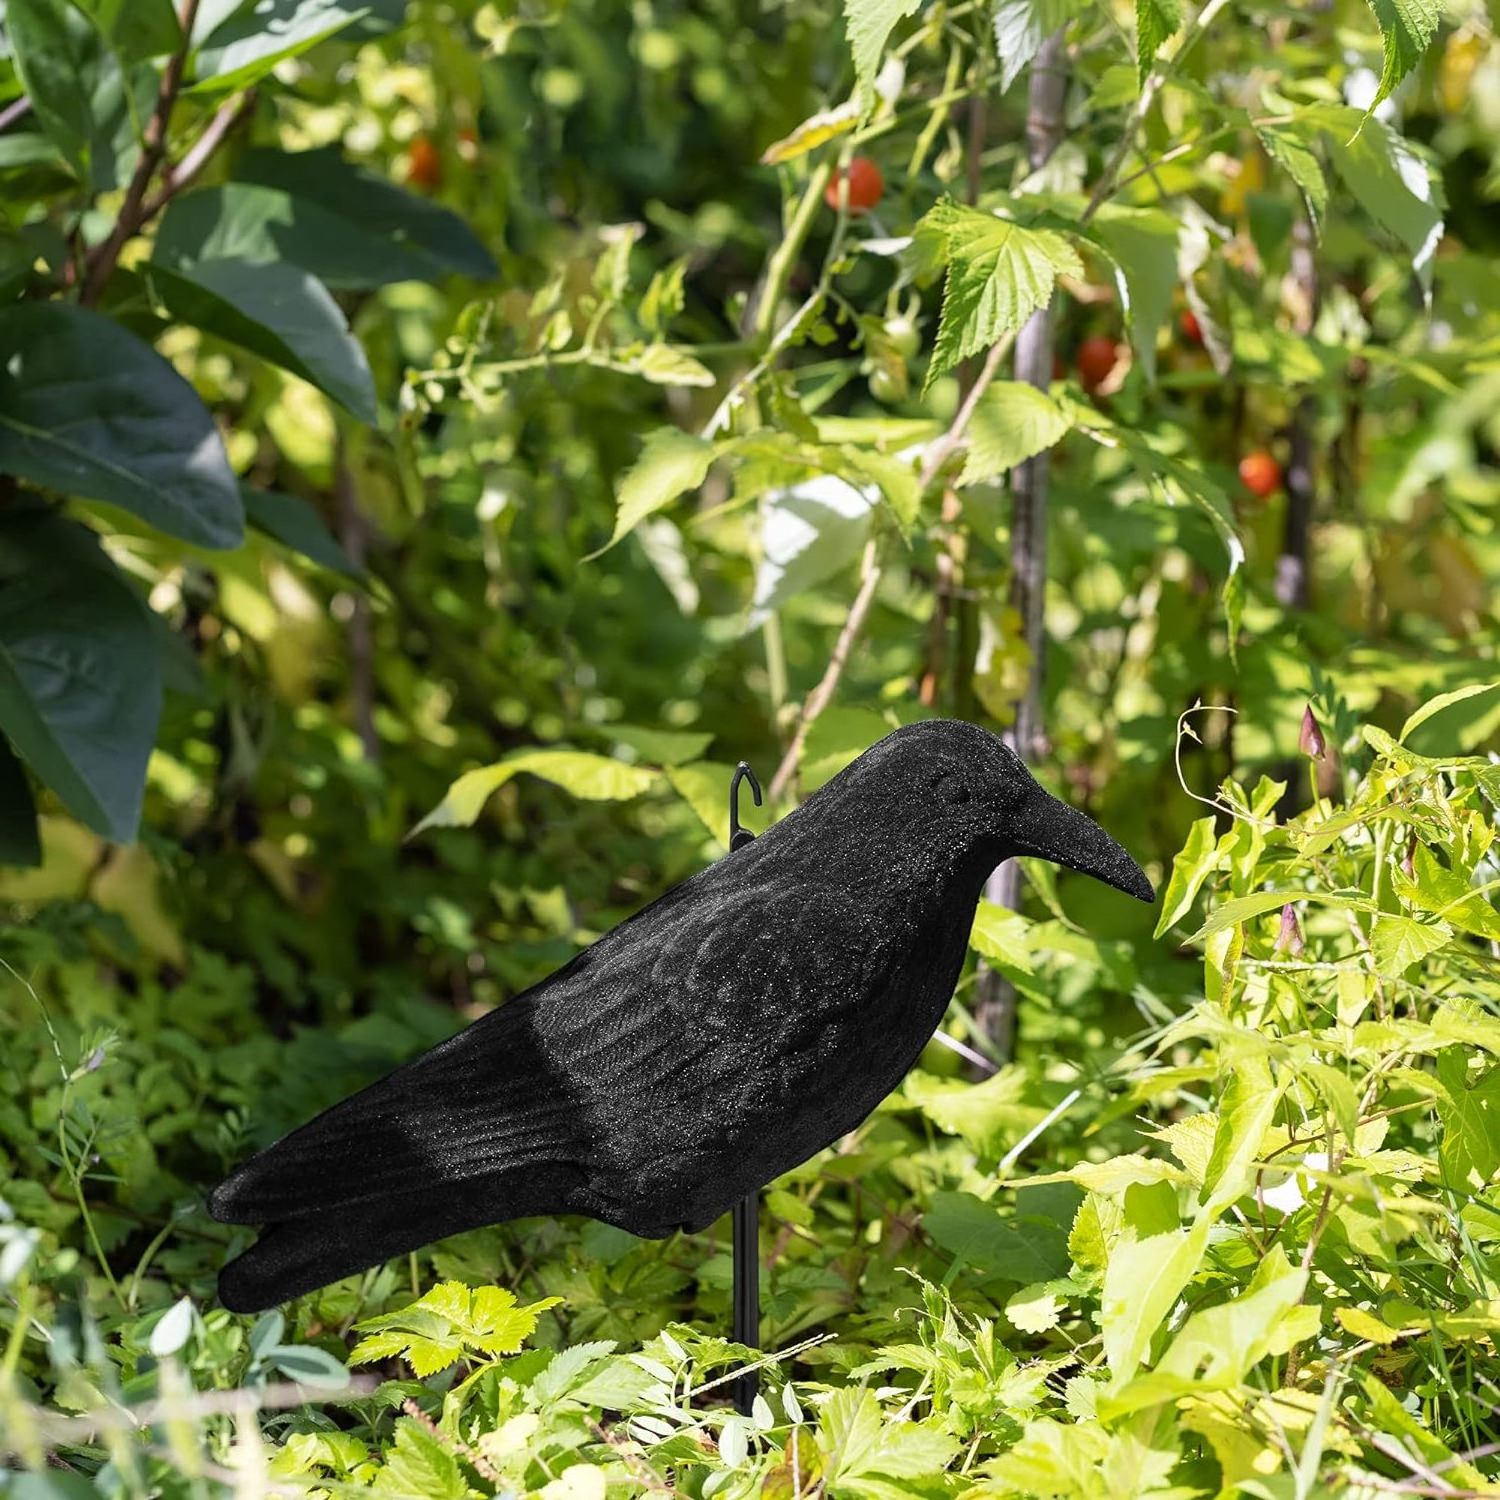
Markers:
819,698
784,257
102,262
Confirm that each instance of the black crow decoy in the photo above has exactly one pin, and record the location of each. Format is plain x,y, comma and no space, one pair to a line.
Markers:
733,1028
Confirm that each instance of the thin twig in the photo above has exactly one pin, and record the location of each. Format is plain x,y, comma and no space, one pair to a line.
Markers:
819,698
102,262
184,173
17,109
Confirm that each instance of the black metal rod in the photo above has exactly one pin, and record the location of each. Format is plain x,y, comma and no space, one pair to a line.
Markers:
747,1210
746,1292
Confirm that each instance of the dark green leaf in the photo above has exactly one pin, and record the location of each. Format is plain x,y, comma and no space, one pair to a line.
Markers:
1288,147
88,410
20,839
375,204
295,524
308,1365
136,28
1142,243
277,311
976,1232
85,100
80,684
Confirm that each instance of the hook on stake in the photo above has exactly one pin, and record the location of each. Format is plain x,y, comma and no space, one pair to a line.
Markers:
739,837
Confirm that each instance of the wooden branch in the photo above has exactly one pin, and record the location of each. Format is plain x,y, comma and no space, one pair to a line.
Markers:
819,698
102,261
184,173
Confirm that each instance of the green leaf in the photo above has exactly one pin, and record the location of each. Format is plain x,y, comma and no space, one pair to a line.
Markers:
1196,861
1445,700
1155,21
256,37
308,1365
808,533
1021,26
990,1115
660,747
136,29
595,778
85,100
295,524
999,273
869,24
1286,146
20,838
448,1323
277,311
671,463
89,410
1246,1110
1407,28
424,229
57,55
1013,421
1398,942
1243,908
1469,1152
1141,1286
1001,935
80,681
418,1467
1390,180
977,1234
1142,244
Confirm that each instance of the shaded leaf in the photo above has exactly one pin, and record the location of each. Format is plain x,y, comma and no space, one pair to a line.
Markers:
1013,421
89,410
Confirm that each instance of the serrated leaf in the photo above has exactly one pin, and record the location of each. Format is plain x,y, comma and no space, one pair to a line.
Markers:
1021,26
1141,1286
1013,421
869,24
595,778
671,463
988,1115
418,1467
1407,28
1287,147
999,273
1155,21
1390,179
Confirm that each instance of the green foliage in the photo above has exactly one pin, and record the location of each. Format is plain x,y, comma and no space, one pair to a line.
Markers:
336,341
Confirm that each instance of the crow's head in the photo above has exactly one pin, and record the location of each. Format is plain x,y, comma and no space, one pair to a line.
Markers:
943,782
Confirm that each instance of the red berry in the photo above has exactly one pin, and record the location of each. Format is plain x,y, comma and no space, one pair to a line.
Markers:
1260,474
424,165
865,190
1097,357
1192,329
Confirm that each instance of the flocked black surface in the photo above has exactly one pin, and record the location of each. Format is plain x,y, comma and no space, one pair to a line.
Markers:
733,1028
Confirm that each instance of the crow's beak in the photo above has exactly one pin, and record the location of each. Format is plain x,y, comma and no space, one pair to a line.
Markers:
1048,829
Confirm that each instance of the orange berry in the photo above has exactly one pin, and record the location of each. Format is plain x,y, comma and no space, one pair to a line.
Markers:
865,190
1192,329
424,164
1260,474
1097,357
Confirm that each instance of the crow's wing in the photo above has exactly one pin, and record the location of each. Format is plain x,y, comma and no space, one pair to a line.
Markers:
622,1086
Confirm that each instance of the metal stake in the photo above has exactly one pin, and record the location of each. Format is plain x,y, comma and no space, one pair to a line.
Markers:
746,1237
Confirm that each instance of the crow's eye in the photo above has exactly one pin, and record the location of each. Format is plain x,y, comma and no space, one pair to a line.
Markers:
950,787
